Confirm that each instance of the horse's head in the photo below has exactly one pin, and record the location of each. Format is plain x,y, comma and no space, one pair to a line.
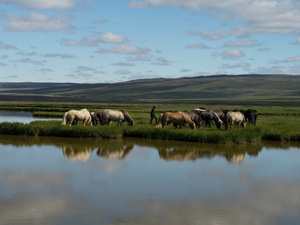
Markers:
244,124
193,126
130,122
219,124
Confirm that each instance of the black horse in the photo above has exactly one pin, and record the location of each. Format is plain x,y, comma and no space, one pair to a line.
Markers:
251,115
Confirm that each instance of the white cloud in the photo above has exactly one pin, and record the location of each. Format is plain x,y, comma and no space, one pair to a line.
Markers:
92,40
249,43
233,54
198,46
292,59
112,38
122,64
67,42
161,62
36,22
187,4
278,70
55,55
7,46
298,41
30,61
125,49
41,4
258,16
245,66
122,72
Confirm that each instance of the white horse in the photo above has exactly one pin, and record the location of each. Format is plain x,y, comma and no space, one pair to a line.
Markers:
235,117
82,114
119,116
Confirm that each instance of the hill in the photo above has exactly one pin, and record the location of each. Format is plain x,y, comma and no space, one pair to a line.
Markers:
241,88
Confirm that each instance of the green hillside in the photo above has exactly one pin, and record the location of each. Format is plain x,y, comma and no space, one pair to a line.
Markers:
209,88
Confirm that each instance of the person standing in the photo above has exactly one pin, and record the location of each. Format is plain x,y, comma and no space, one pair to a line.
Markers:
152,114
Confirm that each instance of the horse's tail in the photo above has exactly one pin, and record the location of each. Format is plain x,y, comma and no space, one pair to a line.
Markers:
128,118
65,119
158,125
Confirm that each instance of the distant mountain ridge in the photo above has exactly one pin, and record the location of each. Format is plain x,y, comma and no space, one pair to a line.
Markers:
222,87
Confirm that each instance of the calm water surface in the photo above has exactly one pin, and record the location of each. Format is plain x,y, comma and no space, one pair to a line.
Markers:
74,181
22,117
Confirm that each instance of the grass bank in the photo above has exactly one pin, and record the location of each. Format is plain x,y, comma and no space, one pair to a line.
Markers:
203,135
274,123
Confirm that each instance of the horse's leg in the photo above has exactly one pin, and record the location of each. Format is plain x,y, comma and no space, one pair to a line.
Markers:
71,121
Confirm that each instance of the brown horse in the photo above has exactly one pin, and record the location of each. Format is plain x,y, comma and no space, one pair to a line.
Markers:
179,118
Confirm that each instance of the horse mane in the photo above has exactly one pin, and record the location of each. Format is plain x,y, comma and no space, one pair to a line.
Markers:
217,116
127,117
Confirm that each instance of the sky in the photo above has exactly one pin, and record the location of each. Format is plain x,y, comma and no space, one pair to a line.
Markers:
108,41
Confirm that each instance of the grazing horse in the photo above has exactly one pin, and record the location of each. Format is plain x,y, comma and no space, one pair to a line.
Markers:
93,120
119,116
235,117
82,114
221,114
195,117
251,115
179,118
208,116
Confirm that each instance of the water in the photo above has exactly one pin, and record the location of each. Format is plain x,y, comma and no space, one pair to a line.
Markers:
22,117
47,180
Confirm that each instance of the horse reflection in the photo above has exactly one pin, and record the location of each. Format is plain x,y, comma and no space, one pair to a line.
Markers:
236,158
118,153
171,154
76,154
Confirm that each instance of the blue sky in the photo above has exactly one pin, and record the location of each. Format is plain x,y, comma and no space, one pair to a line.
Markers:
90,41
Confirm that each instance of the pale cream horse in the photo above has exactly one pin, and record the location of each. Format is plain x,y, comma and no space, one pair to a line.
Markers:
83,115
235,117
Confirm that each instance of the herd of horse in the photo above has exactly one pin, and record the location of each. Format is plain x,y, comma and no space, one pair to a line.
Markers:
194,118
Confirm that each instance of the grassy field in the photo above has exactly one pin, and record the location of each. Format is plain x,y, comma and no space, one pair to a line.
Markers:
274,123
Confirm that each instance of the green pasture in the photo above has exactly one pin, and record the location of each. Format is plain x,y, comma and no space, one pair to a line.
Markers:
274,123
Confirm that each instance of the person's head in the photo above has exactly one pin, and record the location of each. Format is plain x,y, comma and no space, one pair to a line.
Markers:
154,106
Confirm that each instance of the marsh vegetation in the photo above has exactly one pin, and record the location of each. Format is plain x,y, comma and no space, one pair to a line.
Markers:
274,123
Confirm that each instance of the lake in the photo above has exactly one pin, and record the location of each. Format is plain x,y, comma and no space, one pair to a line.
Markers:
47,180
21,117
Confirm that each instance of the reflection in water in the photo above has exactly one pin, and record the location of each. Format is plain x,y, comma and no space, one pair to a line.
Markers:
76,154
81,149
117,152
156,182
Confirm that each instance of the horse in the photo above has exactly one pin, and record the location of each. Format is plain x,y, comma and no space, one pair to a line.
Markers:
82,114
251,115
235,117
119,116
221,113
179,118
93,120
195,117
208,116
